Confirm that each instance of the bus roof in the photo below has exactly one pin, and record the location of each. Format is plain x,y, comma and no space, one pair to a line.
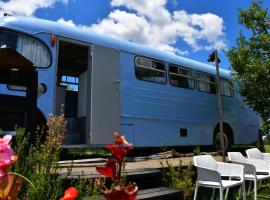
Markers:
33,25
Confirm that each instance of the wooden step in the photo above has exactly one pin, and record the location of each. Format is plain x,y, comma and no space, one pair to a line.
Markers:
160,193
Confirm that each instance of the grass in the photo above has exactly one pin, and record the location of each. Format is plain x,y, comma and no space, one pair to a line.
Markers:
267,148
84,153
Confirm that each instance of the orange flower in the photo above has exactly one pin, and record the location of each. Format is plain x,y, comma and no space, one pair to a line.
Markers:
120,140
70,194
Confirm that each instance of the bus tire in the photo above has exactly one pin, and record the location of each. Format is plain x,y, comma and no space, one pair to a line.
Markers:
227,139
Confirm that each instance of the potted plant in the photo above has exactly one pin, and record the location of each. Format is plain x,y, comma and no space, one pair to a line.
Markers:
114,170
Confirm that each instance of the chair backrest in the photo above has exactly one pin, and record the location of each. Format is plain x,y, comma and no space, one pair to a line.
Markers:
236,156
206,161
254,153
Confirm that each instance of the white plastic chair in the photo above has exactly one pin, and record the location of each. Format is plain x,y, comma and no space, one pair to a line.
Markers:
257,154
210,174
252,168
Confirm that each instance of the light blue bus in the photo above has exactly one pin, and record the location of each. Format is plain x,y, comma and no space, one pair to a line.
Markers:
154,98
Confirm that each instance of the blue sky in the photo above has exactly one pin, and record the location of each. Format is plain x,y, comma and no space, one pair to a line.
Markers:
191,28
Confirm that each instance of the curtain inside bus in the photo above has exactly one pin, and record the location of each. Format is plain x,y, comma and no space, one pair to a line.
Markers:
33,49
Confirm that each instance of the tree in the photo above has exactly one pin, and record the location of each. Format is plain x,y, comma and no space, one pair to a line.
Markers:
250,59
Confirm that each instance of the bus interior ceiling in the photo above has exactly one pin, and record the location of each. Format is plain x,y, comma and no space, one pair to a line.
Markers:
71,89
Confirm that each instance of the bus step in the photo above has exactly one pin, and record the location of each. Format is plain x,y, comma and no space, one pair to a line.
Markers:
73,137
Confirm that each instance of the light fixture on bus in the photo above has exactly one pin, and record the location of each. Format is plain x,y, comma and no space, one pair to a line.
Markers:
53,39
14,69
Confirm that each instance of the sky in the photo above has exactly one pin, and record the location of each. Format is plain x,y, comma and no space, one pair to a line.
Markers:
189,28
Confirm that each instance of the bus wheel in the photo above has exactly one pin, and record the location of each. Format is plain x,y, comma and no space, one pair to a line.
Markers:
218,141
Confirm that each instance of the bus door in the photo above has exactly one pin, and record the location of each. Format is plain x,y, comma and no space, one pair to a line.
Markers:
72,89
105,95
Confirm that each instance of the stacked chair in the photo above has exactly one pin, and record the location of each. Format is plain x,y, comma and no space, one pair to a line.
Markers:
255,170
210,173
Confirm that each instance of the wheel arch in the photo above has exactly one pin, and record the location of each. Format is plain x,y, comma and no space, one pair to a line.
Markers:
227,129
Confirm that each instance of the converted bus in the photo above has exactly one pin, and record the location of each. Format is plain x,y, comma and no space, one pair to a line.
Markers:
154,98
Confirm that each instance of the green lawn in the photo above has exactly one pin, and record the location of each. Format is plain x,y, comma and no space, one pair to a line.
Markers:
267,148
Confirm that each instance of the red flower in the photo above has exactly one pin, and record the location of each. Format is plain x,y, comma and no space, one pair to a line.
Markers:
70,194
118,151
108,170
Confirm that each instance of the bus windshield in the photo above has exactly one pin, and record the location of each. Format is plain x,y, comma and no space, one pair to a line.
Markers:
33,49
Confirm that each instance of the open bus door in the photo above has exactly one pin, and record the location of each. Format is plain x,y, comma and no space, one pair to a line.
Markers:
16,70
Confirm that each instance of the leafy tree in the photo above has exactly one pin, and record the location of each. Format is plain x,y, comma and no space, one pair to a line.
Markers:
250,59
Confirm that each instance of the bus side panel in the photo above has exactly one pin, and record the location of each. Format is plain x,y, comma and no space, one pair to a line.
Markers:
163,115
105,100
48,77
248,123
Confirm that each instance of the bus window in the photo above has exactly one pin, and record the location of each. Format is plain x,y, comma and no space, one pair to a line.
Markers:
150,70
70,82
226,87
16,88
33,49
206,82
181,77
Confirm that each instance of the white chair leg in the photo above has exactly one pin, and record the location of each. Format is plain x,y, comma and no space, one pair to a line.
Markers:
213,194
244,190
221,193
260,184
196,192
249,187
227,192
255,190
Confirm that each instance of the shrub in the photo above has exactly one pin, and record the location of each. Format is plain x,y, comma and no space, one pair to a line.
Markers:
38,161
180,177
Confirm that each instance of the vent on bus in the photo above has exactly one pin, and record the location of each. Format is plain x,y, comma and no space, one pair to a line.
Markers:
183,132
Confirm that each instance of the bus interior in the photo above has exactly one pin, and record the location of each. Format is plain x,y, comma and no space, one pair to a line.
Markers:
71,89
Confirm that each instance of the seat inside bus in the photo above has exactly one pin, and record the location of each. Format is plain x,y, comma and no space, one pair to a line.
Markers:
71,85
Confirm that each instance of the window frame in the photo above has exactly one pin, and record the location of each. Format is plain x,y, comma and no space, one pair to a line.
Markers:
210,82
151,68
18,90
232,87
181,75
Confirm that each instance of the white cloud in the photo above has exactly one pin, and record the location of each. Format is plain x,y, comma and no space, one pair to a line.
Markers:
66,22
151,23
26,7
154,10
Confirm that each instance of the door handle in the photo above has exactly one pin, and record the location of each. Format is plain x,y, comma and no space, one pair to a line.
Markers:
117,84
